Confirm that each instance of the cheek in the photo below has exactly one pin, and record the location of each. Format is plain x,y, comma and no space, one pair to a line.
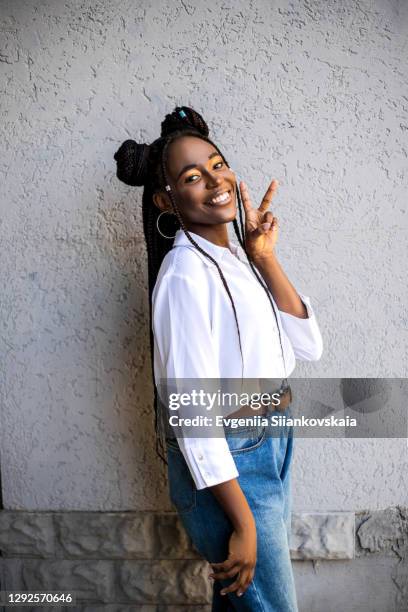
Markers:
188,206
191,197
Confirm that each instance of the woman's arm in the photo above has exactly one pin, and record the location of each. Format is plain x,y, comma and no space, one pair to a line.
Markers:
295,311
283,292
261,234
242,545
233,501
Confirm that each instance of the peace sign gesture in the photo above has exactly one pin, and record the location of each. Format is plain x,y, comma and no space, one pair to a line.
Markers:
261,227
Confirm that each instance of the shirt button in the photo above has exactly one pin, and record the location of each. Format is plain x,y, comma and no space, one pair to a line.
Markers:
200,457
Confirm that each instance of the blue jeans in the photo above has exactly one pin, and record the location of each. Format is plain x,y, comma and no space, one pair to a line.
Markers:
264,465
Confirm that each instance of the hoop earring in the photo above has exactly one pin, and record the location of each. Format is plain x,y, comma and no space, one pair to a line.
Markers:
158,228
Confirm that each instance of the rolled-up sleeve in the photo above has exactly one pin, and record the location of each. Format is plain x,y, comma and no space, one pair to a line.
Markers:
183,338
304,334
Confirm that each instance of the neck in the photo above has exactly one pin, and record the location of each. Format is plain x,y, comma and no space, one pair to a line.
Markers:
217,234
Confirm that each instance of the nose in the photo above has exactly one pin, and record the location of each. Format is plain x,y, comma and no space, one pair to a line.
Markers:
213,179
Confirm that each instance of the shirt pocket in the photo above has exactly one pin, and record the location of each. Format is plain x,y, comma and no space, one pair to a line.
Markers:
183,492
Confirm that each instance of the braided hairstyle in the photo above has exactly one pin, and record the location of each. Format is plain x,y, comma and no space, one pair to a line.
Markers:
146,165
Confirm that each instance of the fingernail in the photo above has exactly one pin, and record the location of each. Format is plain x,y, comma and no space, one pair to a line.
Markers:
239,594
222,593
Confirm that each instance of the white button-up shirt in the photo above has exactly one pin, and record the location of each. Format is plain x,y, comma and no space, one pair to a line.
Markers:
195,335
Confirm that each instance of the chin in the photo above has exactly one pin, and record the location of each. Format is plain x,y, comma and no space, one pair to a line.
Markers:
224,216
226,213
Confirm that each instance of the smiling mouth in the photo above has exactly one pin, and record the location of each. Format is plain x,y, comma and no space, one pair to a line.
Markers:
222,200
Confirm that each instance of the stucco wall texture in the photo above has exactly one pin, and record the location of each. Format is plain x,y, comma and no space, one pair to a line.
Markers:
313,93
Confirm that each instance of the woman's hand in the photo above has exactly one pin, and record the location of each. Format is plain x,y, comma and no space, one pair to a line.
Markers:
241,560
261,227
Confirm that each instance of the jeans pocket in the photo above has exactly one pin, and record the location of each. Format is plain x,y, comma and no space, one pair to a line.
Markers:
181,485
246,441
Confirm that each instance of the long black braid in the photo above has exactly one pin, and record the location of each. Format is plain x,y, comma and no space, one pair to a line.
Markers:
197,246
141,164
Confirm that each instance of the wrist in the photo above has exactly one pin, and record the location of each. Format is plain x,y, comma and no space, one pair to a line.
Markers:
265,262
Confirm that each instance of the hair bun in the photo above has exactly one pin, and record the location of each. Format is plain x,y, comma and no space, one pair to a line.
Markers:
131,163
183,118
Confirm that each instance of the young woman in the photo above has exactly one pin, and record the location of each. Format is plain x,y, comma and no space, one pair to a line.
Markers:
221,311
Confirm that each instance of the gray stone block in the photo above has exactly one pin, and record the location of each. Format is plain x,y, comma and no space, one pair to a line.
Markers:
88,579
167,582
322,535
115,608
94,535
27,534
48,609
171,539
105,535
121,608
140,608
125,582
383,531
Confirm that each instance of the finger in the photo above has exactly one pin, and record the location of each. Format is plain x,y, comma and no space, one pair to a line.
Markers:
267,226
238,585
225,565
267,199
233,587
246,580
246,200
234,567
229,574
268,217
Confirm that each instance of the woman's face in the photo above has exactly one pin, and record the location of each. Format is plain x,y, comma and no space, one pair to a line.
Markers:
203,186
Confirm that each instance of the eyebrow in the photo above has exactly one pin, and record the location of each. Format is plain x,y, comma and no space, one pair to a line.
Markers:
191,166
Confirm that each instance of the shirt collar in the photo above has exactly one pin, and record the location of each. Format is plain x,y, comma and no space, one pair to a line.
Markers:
217,252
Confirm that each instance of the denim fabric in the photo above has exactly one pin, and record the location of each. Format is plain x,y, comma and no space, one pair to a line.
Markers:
264,465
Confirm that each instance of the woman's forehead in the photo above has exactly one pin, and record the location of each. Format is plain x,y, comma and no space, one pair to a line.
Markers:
188,150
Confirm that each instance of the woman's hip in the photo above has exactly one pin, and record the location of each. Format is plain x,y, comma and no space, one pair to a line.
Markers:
263,463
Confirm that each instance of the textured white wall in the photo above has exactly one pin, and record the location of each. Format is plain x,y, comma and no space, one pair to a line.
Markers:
313,93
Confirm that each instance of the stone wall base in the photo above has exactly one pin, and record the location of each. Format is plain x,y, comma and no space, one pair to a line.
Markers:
144,561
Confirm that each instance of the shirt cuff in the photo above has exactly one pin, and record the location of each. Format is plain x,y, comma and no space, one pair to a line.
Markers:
306,302
304,334
209,460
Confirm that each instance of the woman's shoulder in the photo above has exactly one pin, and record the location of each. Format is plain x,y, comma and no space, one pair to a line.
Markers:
182,265
184,260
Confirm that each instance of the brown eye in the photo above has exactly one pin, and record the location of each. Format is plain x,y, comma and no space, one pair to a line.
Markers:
191,176
219,164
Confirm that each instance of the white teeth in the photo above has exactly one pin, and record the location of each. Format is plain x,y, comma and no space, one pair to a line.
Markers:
221,198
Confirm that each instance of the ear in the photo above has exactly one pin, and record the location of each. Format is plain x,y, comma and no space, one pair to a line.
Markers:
162,201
